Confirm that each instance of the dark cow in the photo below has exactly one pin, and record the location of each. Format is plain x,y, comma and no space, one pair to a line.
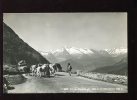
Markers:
58,67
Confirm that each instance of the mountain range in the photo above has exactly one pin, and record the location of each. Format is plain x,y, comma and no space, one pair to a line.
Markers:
79,52
84,58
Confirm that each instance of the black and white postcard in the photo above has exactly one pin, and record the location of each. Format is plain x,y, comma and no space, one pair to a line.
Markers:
65,52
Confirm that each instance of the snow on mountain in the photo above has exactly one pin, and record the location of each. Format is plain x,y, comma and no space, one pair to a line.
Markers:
86,51
60,52
57,51
67,53
44,53
116,51
82,51
73,52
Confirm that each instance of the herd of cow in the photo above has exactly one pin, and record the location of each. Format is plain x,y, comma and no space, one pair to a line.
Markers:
45,70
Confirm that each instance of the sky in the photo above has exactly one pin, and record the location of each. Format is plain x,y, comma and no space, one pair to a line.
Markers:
50,31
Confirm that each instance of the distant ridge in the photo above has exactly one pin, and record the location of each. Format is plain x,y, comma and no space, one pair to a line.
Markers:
119,68
15,49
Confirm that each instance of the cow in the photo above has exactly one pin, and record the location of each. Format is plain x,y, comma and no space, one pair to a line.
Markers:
47,69
33,69
43,70
53,69
39,71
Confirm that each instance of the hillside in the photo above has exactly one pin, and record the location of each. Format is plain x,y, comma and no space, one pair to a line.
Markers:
119,68
15,49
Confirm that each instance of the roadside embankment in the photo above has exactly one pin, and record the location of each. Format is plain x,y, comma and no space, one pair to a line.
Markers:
118,79
12,74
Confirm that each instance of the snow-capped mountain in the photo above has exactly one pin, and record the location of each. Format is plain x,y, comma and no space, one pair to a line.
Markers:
81,51
67,53
72,51
84,58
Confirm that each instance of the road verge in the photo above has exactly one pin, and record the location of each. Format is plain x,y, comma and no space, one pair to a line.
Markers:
118,79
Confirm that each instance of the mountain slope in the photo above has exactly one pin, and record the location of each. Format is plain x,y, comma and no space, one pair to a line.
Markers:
15,49
119,68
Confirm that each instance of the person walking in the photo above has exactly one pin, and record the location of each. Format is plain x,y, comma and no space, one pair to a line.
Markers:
69,68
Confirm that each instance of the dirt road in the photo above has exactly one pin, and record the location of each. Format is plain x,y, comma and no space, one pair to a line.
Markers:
63,83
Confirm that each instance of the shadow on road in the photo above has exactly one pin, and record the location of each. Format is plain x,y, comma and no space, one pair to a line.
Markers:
59,75
47,77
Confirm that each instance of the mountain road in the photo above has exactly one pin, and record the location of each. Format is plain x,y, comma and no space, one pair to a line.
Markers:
63,83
